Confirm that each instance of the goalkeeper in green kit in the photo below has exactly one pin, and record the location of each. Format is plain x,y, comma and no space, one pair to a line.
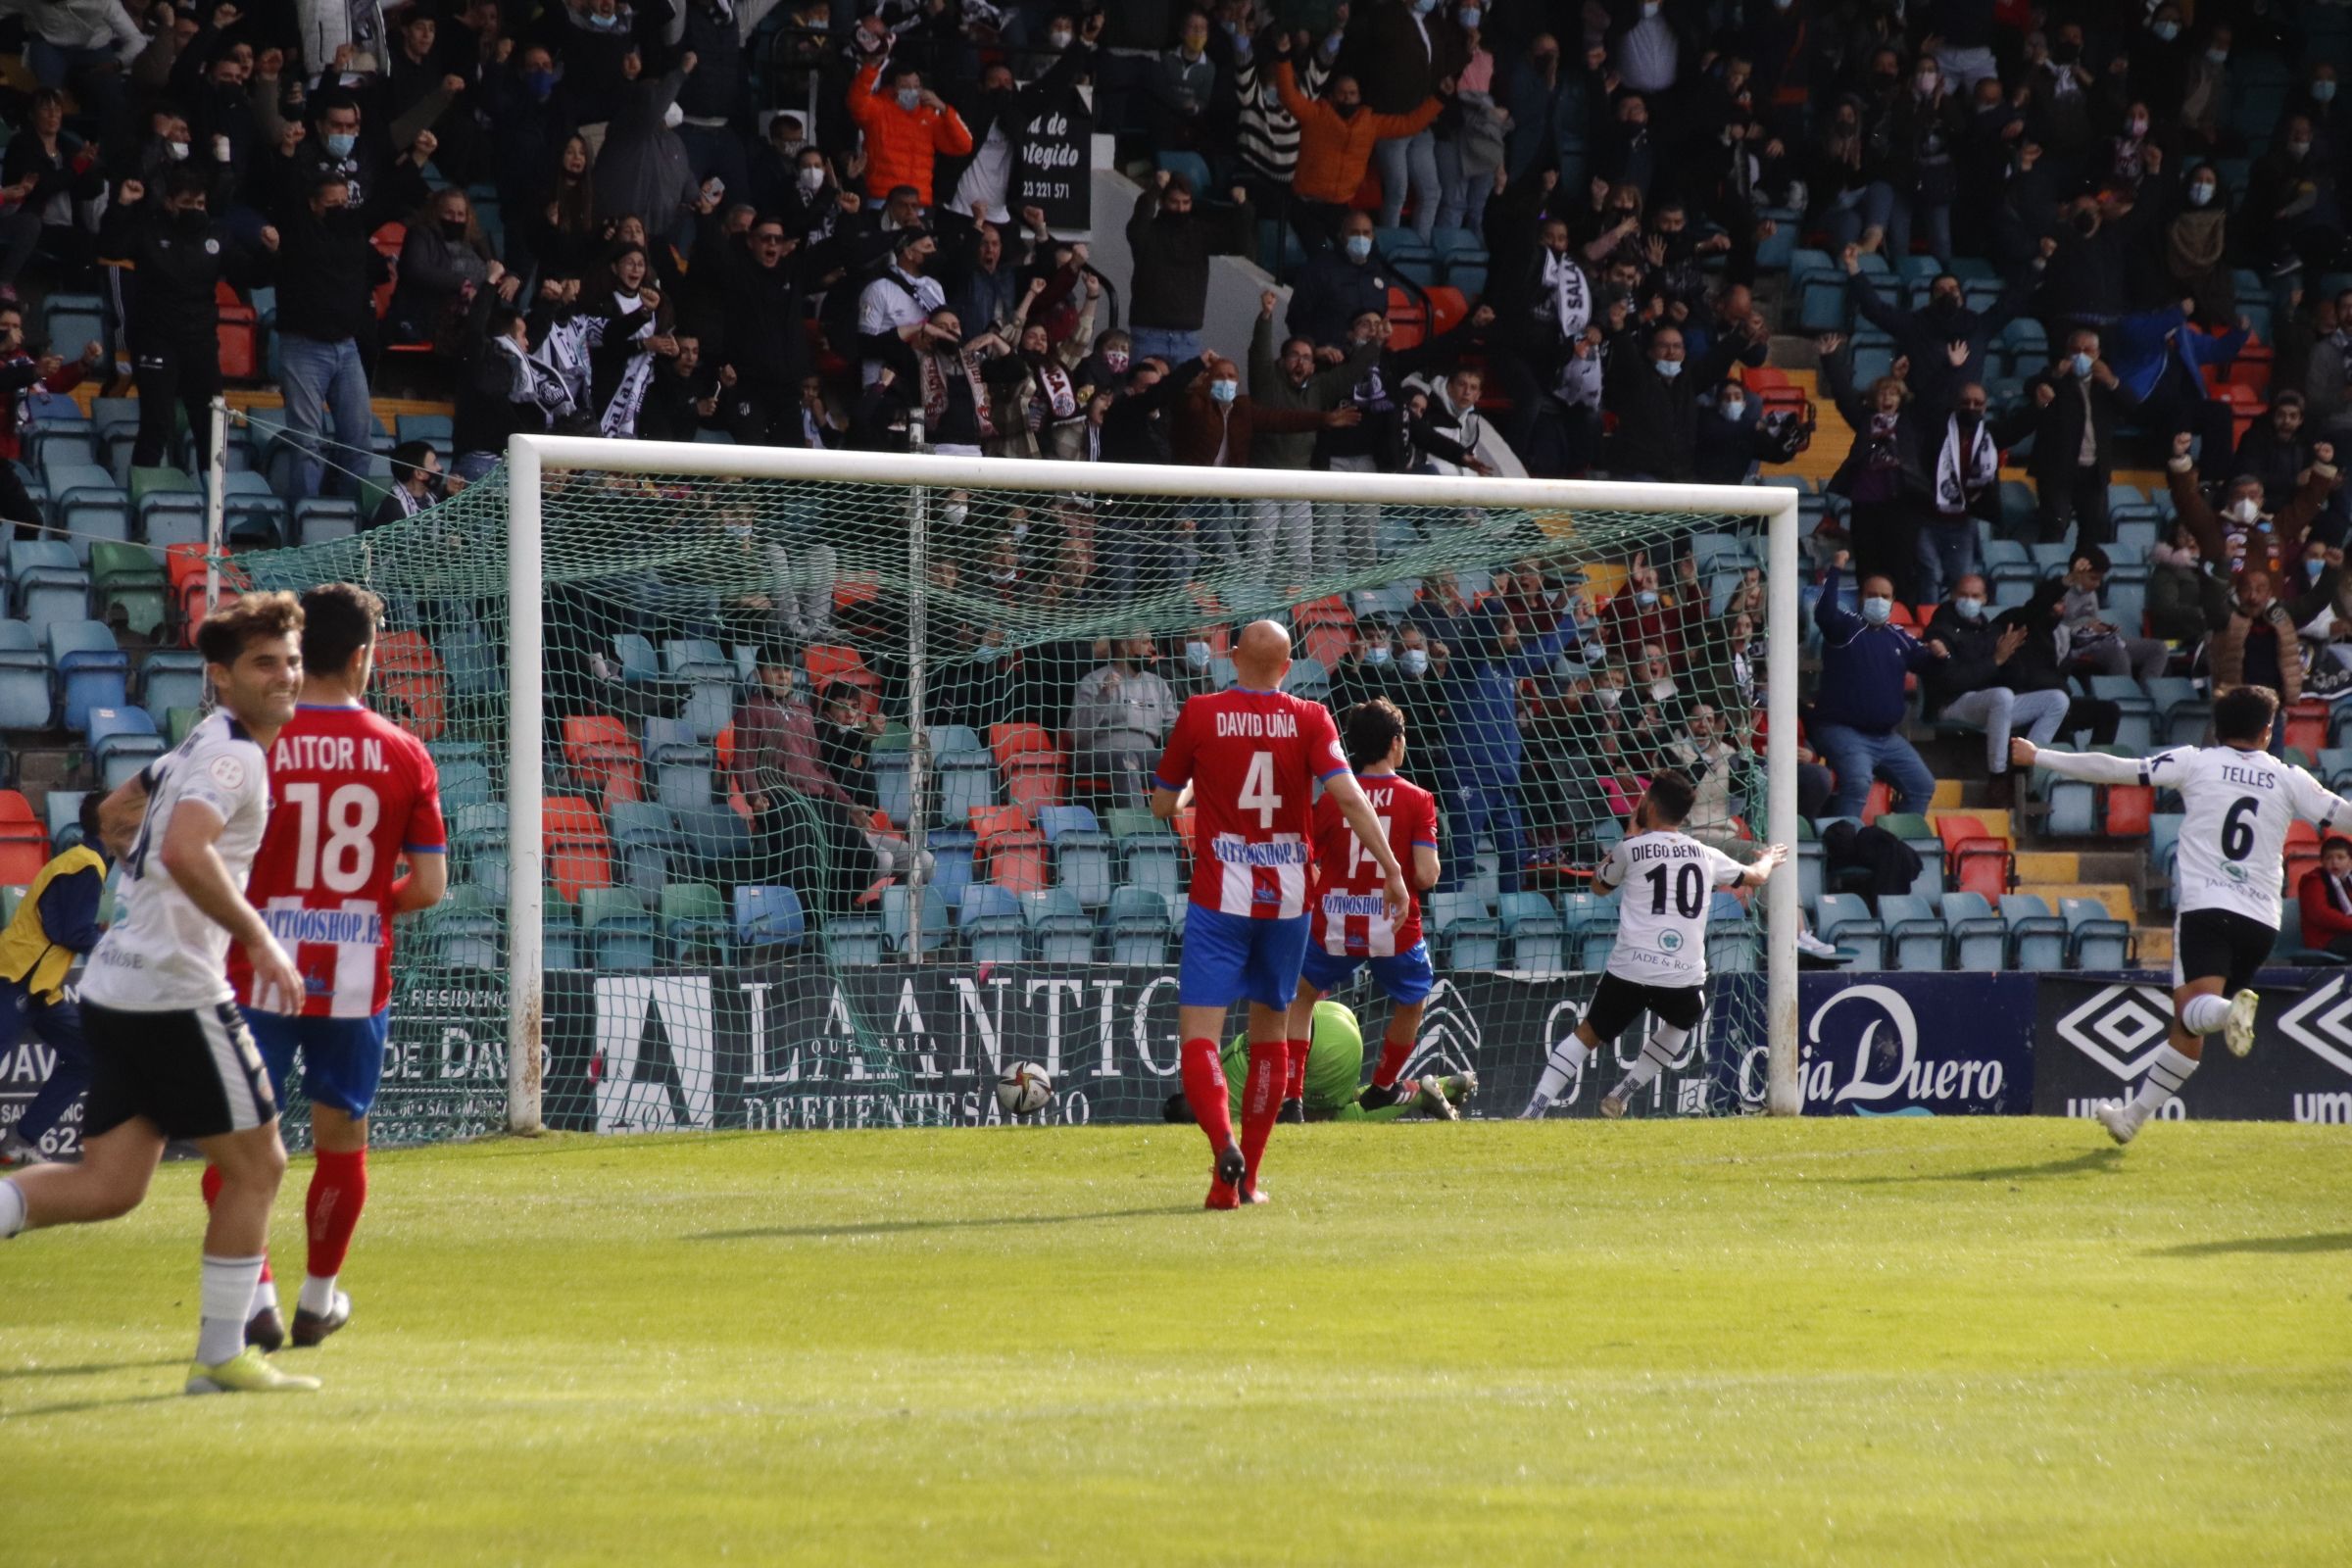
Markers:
1335,1070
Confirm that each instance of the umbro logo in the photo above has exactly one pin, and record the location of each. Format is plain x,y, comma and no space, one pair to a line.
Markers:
2120,1028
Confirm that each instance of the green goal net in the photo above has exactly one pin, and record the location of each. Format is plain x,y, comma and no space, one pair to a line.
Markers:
845,779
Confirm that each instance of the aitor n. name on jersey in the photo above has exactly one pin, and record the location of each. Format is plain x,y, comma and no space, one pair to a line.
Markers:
1669,881
352,792
2237,809
1253,758
1352,918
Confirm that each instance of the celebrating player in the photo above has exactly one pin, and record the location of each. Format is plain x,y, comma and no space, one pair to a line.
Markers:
1251,755
170,1054
2240,802
1660,963
1352,923
56,922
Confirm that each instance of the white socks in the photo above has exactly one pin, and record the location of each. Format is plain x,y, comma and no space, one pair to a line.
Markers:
2204,1013
317,1294
2164,1078
1664,1045
227,1301
1567,1060
11,1210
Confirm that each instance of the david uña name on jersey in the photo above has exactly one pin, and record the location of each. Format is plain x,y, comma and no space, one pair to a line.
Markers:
1257,726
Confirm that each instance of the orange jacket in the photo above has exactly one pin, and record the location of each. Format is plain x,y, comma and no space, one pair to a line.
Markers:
1334,150
900,143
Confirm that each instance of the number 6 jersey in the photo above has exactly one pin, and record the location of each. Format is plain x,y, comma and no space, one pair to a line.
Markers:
1669,881
350,793
2237,807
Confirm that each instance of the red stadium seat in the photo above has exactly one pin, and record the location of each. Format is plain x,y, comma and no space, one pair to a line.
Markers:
1978,862
1035,780
1446,308
387,241
1010,741
605,758
1326,630
1012,847
2307,726
1879,803
579,853
413,691
2129,809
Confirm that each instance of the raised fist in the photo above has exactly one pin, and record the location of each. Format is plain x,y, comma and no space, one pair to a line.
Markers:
131,192
1266,303
2182,440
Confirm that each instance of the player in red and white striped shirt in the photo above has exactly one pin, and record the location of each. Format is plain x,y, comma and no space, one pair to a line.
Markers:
1251,756
1352,926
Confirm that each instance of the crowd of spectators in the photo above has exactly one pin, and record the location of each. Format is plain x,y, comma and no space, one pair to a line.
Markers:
795,223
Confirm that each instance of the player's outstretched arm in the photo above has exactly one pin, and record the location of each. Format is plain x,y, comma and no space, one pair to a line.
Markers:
191,859
1343,788
1760,870
120,815
2096,767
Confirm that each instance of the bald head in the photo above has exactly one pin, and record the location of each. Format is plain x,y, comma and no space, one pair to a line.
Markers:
1262,656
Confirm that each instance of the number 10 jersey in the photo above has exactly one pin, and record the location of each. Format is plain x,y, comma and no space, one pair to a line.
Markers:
1670,882
350,793
2237,807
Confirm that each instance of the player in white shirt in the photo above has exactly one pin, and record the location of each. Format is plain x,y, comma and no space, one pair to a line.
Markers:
1660,963
2238,802
170,1054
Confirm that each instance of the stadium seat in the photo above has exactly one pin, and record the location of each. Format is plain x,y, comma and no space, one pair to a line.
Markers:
1059,930
92,671
989,919
410,688
1733,946
967,782
1974,859
578,849
853,941
64,811
46,582
1980,938
23,843
768,917
24,697
1913,831
643,833
324,519
900,908
122,741
2094,937
1843,920
1915,933
603,759
694,923
1007,742
87,505
1138,921
1467,936
131,582
2038,938
1589,921
952,851
1035,781
2070,806
619,929
1534,930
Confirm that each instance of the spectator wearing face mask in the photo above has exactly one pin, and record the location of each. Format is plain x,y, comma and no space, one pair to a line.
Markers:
2254,640
2293,217
1656,402
1974,685
1171,241
1405,53
2183,596
1858,710
2096,645
999,118
1337,286
1120,717
1639,613
173,331
417,483
907,128
2268,541
1336,134
2277,450
1964,485
2080,401
1216,425
1926,336
1369,671
1884,474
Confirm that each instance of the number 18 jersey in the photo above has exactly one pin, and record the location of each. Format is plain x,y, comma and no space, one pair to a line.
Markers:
1670,881
350,793
2237,807
1253,758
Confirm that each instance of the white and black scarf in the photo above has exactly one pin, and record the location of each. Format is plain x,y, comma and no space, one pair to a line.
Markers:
619,420
535,381
1965,464
1571,298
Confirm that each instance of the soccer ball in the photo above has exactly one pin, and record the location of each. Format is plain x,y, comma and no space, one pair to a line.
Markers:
1024,1088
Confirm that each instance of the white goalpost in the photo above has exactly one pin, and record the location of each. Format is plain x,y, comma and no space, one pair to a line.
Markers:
530,460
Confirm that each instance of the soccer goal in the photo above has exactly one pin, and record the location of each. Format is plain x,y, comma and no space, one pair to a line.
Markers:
794,788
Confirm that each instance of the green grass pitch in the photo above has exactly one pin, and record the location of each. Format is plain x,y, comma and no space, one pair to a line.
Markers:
1741,1341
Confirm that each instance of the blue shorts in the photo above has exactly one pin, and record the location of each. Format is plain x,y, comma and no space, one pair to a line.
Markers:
342,1059
1229,957
1406,977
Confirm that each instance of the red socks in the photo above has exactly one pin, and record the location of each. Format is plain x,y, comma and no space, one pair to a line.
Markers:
1207,1094
1261,1099
1295,1089
1392,1062
338,1192
211,1190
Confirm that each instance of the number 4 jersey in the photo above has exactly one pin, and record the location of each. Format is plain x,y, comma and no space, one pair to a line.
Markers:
1669,881
350,793
1253,758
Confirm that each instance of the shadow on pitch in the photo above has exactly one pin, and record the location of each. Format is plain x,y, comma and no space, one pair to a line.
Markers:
87,1369
80,1406
901,1226
2318,1242
2072,1165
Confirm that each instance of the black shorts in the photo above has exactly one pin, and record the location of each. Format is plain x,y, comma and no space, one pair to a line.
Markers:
2207,943
193,1071
1619,1002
